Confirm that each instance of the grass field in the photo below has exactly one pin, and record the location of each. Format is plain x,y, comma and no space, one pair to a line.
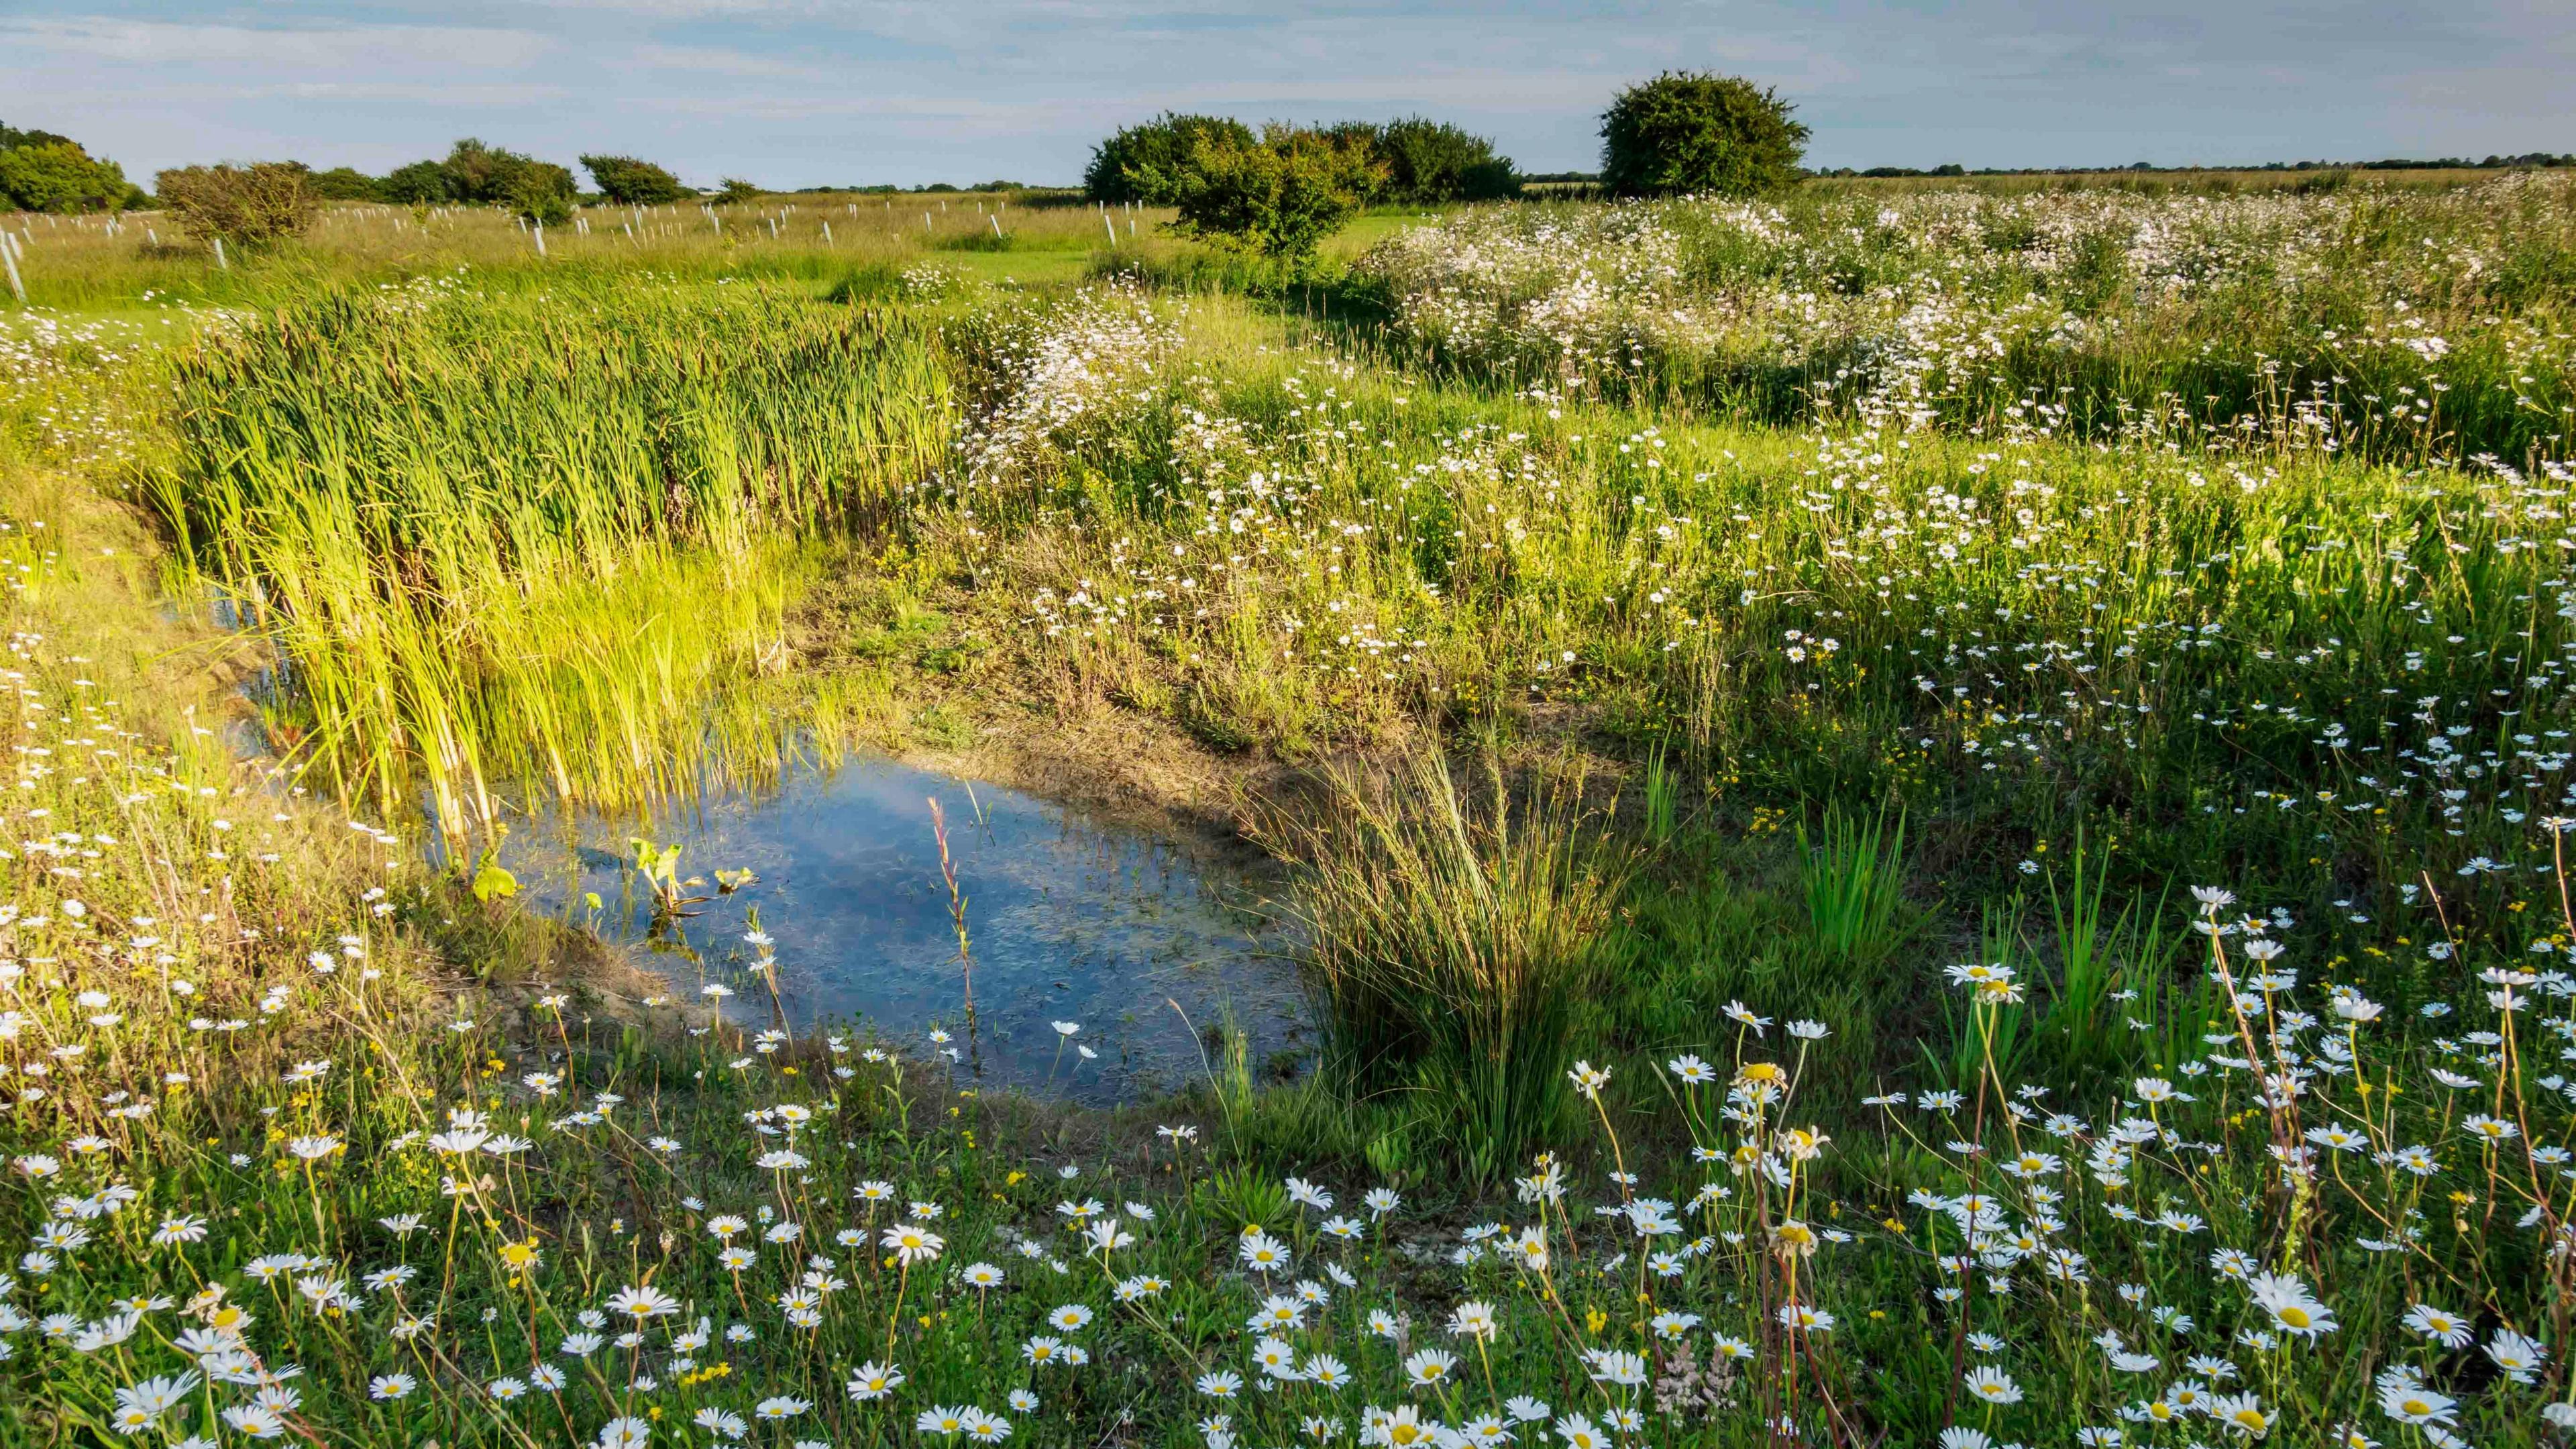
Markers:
1926,815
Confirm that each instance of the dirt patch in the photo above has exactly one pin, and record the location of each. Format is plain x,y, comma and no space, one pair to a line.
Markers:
1123,767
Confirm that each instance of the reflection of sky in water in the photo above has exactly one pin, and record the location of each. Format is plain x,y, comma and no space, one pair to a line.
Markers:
1071,920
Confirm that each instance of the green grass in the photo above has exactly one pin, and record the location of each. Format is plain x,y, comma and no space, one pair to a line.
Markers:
525,538
1670,771
2173,666
74,266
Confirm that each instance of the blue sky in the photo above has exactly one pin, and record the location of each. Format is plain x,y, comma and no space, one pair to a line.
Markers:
805,92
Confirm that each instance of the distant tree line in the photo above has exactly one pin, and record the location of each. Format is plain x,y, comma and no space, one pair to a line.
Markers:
44,171
474,173
1411,161
934,188
1280,191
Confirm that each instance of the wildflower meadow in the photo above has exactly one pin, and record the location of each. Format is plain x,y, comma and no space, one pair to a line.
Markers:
1907,817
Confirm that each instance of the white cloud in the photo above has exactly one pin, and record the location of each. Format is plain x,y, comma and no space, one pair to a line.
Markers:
327,49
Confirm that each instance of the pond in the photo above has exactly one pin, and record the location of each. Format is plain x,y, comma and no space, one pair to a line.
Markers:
1070,919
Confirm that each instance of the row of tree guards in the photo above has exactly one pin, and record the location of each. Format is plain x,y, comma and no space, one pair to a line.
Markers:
537,229
13,243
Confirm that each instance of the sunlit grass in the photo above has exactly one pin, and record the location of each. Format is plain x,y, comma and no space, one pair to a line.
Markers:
2180,1072
80,265
503,539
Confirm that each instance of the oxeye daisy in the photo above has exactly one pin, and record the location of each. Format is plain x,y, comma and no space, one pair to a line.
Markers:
912,1244
2448,1329
872,1381
1578,1432
2292,1307
2409,1402
2520,1357
2242,1415
1261,1252
1991,1385
643,1303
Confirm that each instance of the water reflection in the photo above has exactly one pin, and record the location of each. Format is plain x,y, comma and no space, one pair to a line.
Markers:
1070,919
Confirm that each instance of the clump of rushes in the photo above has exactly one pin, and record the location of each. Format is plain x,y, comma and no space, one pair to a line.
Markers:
497,539
1451,938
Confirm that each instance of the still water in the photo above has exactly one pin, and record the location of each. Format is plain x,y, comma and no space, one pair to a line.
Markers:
1070,919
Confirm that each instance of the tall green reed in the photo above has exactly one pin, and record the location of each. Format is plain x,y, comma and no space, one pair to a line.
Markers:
519,538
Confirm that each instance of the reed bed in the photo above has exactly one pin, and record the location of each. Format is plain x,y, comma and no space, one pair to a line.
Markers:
496,539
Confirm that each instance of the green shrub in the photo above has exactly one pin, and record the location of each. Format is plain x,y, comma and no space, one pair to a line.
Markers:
345,183
542,193
12,137
254,205
422,183
1433,161
977,241
1692,132
733,190
1144,164
57,175
489,176
630,182
474,170
1279,196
